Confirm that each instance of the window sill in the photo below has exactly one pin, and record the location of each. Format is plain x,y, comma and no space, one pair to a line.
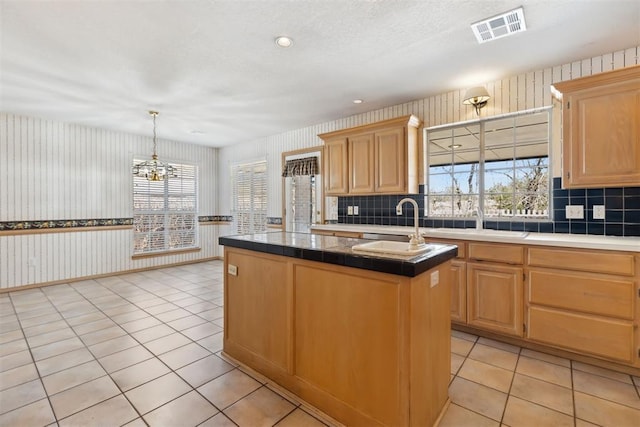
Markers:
164,253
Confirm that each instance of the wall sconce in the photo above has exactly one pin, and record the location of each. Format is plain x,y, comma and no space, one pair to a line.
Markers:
476,96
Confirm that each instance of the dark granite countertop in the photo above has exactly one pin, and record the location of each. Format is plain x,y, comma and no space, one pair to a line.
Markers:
337,250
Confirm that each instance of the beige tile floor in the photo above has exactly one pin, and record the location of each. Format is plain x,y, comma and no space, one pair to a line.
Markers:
144,349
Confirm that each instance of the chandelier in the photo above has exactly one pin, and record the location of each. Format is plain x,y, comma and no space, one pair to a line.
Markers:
154,170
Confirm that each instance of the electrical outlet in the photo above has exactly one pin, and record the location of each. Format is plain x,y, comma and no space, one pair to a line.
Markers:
398,210
356,210
435,278
574,211
598,211
349,210
232,270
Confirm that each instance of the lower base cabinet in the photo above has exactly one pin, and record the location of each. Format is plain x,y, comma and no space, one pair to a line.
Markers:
494,298
589,334
458,291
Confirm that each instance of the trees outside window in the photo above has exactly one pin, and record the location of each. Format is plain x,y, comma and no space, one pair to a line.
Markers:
499,166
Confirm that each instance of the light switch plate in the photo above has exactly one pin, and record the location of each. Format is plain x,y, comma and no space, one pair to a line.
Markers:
598,211
349,210
574,211
355,210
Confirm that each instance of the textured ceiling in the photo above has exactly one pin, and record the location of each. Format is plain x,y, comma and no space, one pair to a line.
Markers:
213,71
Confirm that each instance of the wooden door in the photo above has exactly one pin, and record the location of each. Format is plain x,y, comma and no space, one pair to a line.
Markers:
459,291
336,167
495,297
361,164
391,161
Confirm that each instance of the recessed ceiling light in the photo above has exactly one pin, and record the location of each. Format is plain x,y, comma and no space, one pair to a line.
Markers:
284,41
197,132
455,146
499,26
358,101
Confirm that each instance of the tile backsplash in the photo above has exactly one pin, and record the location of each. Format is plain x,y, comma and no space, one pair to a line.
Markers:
622,212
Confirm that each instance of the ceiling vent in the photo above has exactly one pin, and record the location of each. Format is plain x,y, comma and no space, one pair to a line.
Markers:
499,26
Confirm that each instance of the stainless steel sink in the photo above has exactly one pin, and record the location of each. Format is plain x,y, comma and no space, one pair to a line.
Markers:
394,248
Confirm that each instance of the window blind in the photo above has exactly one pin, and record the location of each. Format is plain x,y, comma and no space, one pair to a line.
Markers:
250,197
164,212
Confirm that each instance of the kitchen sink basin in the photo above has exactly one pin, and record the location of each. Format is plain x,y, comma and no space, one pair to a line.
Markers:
475,232
389,247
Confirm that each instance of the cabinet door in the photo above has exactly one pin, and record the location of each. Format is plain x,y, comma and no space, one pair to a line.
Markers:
391,161
361,164
602,136
336,167
495,297
459,291
257,315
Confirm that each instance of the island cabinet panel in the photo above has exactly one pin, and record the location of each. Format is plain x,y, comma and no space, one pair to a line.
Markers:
256,311
367,348
343,342
495,297
595,335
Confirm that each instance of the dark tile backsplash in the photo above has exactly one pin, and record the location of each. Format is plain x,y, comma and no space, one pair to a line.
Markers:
622,212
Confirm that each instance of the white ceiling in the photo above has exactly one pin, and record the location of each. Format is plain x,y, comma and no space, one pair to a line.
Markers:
213,71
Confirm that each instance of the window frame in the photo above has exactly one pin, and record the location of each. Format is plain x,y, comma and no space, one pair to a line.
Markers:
482,191
166,212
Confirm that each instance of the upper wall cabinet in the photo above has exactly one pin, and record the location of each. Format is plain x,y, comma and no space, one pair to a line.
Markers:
601,129
380,158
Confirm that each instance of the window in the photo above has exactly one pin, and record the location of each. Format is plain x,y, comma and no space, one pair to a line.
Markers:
164,212
499,166
250,197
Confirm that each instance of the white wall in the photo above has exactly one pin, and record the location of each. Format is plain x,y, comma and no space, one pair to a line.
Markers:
51,170
511,94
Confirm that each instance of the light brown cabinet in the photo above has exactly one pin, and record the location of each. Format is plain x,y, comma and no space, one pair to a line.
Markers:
601,129
494,297
361,164
336,168
380,158
583,301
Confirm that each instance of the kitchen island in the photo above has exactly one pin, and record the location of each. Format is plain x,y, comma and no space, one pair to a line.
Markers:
363,337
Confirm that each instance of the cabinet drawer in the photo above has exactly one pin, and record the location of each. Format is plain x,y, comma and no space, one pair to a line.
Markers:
592,261
608,338
510,254
582,292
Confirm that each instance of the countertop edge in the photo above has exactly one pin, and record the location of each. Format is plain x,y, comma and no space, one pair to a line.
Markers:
578,241
399,266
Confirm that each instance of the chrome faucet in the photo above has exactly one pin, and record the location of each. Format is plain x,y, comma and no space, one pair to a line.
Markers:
416,238
479,219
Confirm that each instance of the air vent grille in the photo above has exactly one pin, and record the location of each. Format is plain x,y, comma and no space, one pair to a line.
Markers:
499,26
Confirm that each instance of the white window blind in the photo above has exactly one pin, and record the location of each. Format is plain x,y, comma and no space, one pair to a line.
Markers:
250,197
165,212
